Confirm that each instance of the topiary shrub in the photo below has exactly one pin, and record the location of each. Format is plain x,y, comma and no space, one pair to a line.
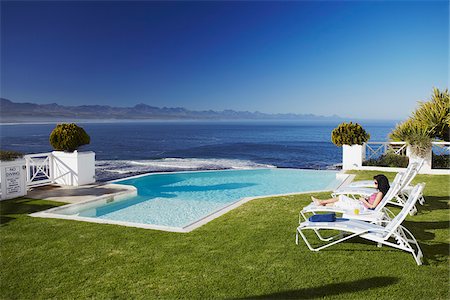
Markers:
9,155
349,134
68,137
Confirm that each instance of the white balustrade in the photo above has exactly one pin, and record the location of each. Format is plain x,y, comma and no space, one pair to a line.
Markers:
374,150
441,148
66,168
39,169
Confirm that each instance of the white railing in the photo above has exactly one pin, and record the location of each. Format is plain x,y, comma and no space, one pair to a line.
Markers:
39,169
441,148
376,149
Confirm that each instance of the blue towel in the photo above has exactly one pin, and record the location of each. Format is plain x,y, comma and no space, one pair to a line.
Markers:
323,218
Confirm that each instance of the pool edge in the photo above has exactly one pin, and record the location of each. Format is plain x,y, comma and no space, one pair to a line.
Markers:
185,229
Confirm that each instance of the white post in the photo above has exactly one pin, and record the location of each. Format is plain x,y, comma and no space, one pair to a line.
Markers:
426,167
352,156
51,167
73,168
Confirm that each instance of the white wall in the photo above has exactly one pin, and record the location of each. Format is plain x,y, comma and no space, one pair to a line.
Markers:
74,168
352,156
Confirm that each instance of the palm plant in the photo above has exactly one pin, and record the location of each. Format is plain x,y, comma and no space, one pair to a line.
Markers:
415,135
435,114
430,121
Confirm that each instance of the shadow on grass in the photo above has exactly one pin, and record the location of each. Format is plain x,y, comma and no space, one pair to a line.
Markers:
331,289
434,203
10,208
421,229
436,252
432,251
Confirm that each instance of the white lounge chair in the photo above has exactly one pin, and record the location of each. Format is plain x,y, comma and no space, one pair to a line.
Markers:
390,233
368,187
402,193
370,184
371,215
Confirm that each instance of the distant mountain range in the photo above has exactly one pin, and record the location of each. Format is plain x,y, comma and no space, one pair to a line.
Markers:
25,112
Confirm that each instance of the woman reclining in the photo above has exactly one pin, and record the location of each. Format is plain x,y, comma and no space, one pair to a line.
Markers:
345,202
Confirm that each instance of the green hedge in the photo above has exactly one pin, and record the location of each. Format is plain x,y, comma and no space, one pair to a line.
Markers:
388,160
441,161
6,155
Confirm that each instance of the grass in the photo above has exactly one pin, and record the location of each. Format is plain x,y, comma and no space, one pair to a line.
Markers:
247,253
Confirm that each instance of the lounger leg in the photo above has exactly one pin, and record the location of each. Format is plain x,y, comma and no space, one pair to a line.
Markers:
412,240
299,231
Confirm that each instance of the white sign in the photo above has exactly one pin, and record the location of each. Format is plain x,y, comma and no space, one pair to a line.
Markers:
12,176
13,182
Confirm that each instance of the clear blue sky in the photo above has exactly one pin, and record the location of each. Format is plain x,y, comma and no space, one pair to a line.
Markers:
352,58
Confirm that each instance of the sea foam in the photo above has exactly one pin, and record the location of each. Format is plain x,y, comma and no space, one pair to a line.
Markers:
115,169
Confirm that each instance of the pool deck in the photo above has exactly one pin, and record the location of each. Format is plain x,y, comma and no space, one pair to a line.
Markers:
77,194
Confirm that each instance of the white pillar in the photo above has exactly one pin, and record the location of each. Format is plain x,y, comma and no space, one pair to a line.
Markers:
426,167
352,156
73,168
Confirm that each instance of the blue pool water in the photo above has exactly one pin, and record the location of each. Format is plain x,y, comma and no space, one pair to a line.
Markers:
180,199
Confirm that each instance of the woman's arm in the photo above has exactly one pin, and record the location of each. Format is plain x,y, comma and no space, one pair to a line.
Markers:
375,203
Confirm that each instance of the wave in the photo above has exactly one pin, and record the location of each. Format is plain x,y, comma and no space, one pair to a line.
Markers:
115,169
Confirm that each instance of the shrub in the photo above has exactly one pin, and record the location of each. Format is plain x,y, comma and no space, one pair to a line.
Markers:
349,134
435,115
389,159
9,155
68,137
440,161
429,121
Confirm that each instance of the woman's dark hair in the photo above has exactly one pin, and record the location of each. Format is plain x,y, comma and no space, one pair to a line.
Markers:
383,183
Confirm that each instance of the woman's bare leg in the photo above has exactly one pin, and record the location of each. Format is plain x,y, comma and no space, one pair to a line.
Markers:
324,202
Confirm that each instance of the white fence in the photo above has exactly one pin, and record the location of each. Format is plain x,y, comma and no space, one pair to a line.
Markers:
376,149
65,168
441,148
39,169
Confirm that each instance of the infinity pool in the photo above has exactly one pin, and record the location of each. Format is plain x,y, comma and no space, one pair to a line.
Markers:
178,201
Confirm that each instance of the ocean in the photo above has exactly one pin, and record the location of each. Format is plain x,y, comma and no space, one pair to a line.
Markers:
129,148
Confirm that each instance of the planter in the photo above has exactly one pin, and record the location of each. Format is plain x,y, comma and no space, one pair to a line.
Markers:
74,168
352,156
426,167
13,179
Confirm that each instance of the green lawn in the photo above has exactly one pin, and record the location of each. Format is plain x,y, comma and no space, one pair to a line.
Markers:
249,252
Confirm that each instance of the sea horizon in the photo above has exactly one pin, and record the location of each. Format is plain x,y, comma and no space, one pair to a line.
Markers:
130,148
254,121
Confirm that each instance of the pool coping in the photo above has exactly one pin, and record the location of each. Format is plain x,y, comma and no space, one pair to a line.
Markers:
50,213
220,170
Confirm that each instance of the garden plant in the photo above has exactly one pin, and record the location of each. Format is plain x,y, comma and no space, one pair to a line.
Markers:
68,137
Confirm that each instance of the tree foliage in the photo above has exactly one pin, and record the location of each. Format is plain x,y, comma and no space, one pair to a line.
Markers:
349,134
68,137
431,120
